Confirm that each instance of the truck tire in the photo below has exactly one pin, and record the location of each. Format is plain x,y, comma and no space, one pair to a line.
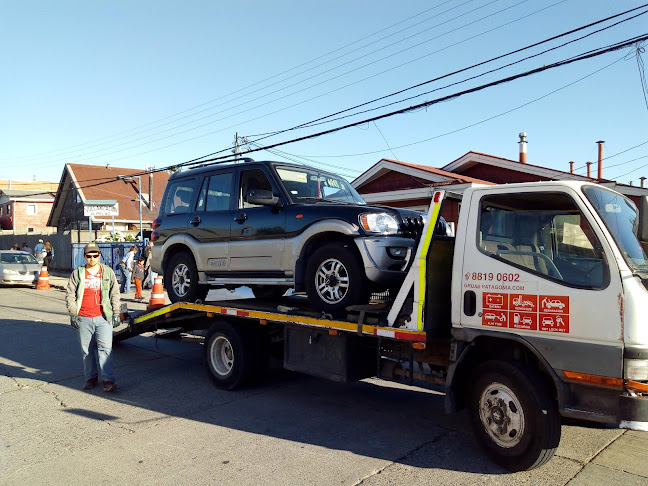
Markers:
514,417
181,279
335,279
229,355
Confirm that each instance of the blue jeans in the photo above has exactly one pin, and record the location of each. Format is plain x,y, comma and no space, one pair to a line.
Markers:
126,280
95,336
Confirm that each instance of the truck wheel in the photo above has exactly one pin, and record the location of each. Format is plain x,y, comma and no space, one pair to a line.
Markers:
513,415
228,355
181,280
335,279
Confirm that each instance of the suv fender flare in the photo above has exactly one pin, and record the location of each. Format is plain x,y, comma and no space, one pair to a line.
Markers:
299,245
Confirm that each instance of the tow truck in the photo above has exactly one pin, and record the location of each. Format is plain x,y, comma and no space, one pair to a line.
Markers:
558,263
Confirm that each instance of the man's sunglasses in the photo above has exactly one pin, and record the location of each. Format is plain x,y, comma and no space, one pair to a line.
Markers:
93,255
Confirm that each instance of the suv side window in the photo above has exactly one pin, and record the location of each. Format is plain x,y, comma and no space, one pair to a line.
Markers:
251,179
545,234
179,197
215,194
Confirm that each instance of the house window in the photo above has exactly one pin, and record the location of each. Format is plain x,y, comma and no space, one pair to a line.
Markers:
31,209
30,229
8,209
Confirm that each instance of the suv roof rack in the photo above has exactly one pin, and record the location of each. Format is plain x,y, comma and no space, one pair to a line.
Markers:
234,159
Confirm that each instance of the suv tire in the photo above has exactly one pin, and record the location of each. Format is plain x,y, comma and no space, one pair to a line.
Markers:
181,280
335,279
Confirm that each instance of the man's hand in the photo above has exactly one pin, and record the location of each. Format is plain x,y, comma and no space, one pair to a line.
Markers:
75,320
116,321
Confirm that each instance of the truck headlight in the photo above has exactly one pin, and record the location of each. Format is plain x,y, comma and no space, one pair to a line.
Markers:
635,369
381,223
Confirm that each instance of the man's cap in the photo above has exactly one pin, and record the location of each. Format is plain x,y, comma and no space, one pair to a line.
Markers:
91,247
40,241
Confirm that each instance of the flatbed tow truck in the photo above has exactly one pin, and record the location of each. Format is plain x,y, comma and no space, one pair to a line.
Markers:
533,312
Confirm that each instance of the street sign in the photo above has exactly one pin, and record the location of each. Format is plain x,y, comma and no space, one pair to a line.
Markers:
101,208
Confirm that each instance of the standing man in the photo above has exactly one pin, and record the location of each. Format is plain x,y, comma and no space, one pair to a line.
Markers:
39,251
92,297
127,269
148,275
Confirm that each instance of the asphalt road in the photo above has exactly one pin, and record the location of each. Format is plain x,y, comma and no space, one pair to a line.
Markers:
168,425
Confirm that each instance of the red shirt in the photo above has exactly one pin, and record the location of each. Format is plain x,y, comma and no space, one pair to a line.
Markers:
91,303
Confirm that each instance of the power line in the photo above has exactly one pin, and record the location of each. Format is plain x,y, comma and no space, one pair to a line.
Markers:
277,75
299,91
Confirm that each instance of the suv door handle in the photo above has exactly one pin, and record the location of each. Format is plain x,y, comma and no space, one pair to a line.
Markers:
241,218
196,221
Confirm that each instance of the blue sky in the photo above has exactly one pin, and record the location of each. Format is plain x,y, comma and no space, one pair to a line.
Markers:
157,83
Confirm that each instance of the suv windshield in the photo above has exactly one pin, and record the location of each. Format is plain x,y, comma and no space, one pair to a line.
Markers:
308,186
621,218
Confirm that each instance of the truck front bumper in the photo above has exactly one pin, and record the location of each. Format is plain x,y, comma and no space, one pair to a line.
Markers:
385,259
633,412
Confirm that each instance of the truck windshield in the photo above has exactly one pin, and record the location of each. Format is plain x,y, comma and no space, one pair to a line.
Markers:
310,186
621,218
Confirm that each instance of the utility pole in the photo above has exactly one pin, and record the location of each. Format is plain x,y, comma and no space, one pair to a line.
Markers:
237,148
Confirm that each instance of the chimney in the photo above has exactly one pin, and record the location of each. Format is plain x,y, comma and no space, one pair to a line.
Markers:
571,166
642,179
589,169
600,158
523,144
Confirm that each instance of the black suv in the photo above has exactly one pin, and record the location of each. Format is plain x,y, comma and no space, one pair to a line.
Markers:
275,225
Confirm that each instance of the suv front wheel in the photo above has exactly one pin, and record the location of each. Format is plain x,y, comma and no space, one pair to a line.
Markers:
181,280
335,279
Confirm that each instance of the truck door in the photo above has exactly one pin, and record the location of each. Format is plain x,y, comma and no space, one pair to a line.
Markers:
536,264
258,232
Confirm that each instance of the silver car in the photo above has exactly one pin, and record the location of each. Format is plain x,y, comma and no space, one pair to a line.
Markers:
18,267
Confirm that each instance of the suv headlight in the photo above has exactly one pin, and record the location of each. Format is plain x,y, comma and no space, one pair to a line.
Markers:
382,223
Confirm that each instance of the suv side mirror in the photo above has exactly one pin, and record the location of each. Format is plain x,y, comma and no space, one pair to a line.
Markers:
263,197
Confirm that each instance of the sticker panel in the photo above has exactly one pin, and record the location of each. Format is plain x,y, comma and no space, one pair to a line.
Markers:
554,304
494,318
523,302
494,301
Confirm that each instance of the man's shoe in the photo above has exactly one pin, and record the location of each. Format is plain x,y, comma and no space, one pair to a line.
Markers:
109,386
91,383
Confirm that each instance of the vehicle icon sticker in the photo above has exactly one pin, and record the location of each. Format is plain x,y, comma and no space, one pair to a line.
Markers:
554,323
494,318
523,302
554,304
523,320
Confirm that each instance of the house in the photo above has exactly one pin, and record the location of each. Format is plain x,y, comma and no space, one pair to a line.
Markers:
25,210
81,183
403,184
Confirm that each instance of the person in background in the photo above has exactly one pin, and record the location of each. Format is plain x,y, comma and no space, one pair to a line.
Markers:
138,277
92,300
26,248
15,247
38,251
49,253
127,269
148,274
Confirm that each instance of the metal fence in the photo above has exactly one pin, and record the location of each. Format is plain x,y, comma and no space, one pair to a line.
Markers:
111,253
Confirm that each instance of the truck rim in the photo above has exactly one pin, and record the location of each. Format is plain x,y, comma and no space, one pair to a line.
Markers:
332,281
502,415
222,355
180,280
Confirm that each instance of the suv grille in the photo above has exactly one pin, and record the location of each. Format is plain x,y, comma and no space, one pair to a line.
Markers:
412,226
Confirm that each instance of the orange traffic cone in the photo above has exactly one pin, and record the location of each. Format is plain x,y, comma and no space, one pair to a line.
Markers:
43,280
157,295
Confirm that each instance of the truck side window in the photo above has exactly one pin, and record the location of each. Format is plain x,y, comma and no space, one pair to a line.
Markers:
545,234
